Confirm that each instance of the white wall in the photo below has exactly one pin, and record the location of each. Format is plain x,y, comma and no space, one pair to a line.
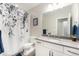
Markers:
37,12
75,13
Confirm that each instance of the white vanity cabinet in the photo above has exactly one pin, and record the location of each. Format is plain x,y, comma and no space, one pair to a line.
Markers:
41,50
51,48
48,49
56,50
57,53
71,51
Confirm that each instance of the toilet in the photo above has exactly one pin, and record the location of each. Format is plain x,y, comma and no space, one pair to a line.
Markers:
27,50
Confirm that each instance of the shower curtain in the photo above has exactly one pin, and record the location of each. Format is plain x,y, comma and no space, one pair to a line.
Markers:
14,27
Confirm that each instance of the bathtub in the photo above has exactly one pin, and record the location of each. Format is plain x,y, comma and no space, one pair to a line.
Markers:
27,50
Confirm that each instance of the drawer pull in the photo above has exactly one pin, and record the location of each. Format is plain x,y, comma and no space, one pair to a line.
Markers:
52,53
49,53
73,52
37,38
38,42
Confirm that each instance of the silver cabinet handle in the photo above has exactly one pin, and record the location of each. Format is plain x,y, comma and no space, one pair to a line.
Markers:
38,42
52,53
37,38
73,52
49,53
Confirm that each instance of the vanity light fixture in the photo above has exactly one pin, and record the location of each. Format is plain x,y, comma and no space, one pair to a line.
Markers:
54,6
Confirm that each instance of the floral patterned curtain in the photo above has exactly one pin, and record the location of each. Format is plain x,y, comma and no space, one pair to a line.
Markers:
14,25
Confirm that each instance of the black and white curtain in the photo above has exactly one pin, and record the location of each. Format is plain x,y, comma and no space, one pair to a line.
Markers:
14,26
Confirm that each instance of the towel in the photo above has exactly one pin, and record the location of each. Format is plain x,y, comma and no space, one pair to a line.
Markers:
1,45
77,32
74,29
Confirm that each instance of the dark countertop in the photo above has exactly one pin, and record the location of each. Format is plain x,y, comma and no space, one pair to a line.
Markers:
73,38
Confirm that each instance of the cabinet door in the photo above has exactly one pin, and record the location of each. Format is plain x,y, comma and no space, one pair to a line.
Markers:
71,51
42,51
57,53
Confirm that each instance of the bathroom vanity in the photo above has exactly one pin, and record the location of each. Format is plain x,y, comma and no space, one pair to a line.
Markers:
47,46
60,24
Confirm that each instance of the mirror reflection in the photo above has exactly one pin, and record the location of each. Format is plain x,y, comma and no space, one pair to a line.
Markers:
58,22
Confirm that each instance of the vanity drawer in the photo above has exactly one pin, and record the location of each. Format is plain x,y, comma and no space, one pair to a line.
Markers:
71,51
50,45
38,42
56,47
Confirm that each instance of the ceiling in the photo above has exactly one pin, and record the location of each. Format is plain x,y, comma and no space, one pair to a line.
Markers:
51,6
27,6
